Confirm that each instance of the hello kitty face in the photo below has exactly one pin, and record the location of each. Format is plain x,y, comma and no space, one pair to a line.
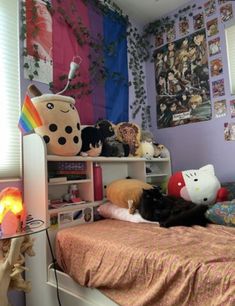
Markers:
201,186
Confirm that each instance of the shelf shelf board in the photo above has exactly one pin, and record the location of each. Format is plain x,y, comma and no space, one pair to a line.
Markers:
72,206
103,159
69,182
156,174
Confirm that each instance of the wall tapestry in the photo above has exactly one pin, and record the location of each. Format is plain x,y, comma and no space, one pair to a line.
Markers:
74,36
57,32
182,81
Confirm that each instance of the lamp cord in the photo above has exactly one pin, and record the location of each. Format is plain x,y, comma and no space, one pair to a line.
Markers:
54,267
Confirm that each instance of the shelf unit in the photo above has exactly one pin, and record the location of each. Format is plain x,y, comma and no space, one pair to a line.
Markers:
38,191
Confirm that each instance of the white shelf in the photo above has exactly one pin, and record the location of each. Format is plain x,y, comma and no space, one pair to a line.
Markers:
69,182
37,191
156,174
104,159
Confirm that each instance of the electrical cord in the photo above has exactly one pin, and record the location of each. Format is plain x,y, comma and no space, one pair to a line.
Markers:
54,267
74,65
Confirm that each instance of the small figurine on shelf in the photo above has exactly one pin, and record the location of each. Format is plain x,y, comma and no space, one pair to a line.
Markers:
73,194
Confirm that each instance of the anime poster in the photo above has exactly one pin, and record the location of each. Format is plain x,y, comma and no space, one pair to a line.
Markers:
214,46
170,33
210,7
232,108
159,40
223,1
226,12
182,81
183,26
38,42
220,108
229,131
218,88
216,67
212,27
198,22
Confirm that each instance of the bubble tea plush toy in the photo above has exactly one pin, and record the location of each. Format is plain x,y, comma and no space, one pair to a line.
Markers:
61,128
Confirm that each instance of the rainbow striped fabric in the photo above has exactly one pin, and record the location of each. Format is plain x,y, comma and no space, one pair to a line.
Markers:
29,118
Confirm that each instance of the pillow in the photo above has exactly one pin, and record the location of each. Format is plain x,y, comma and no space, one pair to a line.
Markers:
222,213
111,211
120,192
61,124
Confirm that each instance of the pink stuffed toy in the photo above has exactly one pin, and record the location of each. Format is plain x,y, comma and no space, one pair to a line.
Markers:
199,186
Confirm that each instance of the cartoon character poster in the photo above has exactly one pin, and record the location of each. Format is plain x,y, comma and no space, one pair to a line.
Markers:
182,81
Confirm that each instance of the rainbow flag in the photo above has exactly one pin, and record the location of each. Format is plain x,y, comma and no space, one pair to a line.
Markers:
29,118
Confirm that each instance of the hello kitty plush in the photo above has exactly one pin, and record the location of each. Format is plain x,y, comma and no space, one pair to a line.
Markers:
199,186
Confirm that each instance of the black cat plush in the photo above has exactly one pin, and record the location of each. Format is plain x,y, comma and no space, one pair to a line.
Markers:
170,211
111,146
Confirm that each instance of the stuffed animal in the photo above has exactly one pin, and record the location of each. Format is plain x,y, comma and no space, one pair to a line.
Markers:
160,151
199,186
126,193
147,149
146,136
129,133
91,142
61,128
111,146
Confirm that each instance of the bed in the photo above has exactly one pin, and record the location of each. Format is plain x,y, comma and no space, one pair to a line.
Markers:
142,264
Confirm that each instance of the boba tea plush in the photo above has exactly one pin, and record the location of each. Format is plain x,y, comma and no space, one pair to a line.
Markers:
61,128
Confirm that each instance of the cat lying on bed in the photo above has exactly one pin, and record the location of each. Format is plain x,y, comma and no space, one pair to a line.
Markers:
170,211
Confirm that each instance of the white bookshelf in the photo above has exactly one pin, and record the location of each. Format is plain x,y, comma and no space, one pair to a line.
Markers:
38,191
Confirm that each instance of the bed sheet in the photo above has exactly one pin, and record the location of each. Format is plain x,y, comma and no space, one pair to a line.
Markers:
146,265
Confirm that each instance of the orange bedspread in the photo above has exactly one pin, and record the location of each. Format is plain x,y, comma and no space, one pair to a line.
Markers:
143,264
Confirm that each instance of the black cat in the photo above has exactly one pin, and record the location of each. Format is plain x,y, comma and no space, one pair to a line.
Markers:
170,211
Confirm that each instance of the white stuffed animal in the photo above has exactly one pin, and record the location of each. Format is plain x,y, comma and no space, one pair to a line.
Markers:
199,186
147,149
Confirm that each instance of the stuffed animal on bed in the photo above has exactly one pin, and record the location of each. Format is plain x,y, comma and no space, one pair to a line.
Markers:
129,133
61,128
199,186
126,193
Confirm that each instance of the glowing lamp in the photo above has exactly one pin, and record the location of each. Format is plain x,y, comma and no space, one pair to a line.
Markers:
12,212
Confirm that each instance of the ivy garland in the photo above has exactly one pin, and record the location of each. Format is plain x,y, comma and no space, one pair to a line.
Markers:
32,66
139,50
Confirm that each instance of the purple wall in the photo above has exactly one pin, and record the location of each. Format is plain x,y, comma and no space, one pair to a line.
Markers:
194,145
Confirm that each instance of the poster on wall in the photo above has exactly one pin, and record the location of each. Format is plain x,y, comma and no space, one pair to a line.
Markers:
38,42
229,131
220,108
182,81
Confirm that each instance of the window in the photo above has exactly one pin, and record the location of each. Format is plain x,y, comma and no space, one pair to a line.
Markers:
230,42
10,138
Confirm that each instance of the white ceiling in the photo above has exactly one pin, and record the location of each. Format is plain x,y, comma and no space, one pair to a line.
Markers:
145,11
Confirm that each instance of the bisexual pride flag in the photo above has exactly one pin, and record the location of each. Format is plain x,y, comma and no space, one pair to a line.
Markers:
109,99
29,117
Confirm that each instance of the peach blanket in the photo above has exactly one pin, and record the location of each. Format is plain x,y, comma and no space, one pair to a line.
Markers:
145,265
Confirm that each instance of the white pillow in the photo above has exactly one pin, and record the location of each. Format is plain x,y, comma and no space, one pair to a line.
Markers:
111,211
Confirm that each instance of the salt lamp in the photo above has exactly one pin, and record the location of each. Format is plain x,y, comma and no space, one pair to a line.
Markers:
12,211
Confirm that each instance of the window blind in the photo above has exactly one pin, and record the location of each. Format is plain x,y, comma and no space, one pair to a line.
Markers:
10,138
230,42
